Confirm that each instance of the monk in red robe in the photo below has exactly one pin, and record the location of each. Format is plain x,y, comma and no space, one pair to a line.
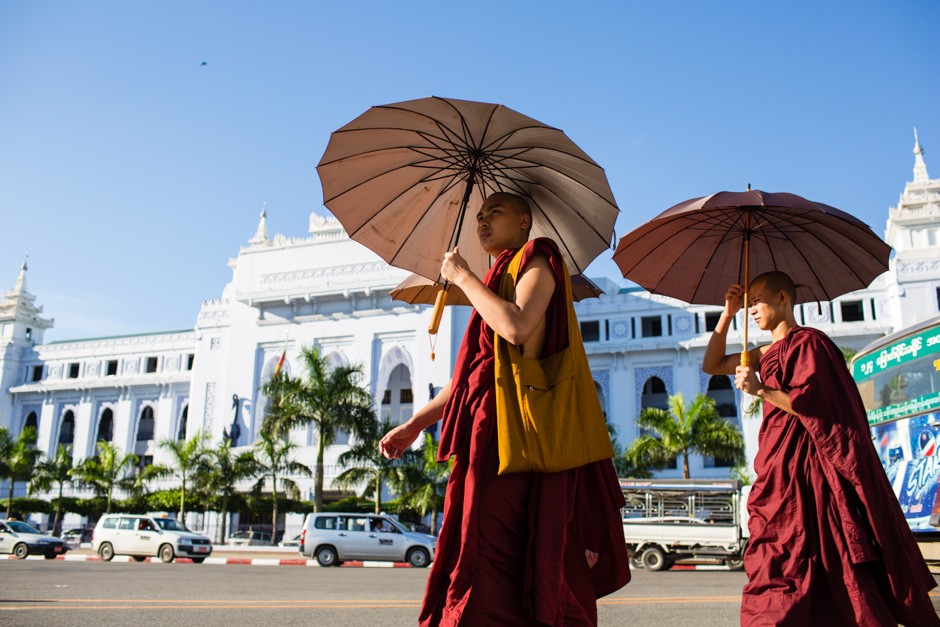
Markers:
829,544
520,548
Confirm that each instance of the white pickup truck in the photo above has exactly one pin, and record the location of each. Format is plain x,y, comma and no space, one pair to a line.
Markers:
666,520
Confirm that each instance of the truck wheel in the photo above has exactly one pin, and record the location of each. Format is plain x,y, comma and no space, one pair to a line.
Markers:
735,563
326,556
635,562
419,558
653,559
106,551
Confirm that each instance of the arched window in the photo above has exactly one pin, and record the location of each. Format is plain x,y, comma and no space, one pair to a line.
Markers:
32,421
184,417
145,426
105,426
67,430
654,394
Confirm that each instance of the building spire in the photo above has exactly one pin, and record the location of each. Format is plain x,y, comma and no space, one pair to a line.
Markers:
261,235
21,279
920,168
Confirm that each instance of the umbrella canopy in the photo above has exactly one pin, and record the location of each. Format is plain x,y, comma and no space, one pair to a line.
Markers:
417,290
696,249
407,179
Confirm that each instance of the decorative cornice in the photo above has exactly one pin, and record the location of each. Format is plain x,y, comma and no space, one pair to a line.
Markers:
128,343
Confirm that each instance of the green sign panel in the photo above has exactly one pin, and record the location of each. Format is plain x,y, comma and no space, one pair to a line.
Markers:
923,404
910,348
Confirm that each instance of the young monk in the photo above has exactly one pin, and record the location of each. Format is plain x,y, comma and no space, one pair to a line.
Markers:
829,544
520,548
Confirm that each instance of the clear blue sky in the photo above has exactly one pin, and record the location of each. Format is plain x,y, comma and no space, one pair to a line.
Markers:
131,173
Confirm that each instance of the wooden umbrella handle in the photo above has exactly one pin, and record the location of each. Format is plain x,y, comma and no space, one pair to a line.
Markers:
438,312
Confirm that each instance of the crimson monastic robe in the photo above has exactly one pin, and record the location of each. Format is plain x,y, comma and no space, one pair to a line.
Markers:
829,543
512,547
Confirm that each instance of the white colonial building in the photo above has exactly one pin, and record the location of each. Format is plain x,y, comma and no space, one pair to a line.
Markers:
329,291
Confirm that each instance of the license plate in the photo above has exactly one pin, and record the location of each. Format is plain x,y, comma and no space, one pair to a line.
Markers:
202,549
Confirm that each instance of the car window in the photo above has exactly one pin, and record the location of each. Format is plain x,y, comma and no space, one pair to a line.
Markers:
19,527
383,525
109,523
126,523
3,528
325,522
351,523
170,524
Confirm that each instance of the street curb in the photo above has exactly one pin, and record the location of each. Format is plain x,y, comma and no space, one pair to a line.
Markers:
224,560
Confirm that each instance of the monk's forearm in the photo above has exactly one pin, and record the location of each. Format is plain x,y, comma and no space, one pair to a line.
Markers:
778,398
712,361
430,413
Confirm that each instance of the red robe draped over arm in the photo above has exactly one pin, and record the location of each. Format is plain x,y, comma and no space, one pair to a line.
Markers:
829,543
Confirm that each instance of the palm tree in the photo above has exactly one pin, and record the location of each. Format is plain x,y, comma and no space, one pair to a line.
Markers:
17,459
224,471
427,481
108,470
365,464
56,471
697,428
188,457
273,461
330,399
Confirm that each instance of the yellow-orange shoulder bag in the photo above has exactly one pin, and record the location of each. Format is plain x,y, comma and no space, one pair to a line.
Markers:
548,415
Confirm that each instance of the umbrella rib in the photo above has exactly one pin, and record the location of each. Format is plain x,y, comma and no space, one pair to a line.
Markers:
382,208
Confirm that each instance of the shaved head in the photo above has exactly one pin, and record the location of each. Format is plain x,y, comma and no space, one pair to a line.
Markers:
520,204
776,282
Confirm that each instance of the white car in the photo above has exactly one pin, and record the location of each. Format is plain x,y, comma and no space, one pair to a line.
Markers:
333,538
141,536
21,540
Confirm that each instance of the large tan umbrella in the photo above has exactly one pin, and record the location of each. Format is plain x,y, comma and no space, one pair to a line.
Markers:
417,290
694,250
407,179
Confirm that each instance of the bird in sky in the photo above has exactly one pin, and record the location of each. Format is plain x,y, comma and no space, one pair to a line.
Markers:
203,63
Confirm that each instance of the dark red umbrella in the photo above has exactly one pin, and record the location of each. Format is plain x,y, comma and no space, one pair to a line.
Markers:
696,249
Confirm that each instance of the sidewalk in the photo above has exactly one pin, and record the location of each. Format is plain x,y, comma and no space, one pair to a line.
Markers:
223,554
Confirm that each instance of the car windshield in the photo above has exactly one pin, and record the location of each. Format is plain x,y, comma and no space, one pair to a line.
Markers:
170,525
18,527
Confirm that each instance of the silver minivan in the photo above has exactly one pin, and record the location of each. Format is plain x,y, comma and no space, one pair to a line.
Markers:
333,538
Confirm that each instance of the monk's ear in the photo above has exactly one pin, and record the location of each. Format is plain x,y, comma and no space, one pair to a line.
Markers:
526,223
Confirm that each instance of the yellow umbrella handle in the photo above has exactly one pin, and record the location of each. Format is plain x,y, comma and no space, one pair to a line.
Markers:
439,303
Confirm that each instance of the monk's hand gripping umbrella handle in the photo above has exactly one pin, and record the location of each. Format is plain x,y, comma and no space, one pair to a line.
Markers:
439,303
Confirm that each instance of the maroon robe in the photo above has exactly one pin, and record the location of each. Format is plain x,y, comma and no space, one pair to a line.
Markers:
512,547
829,543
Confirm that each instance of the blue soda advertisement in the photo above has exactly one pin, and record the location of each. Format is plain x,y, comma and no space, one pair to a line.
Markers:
908,451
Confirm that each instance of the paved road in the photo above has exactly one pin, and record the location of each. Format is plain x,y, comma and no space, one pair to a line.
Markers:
69,593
